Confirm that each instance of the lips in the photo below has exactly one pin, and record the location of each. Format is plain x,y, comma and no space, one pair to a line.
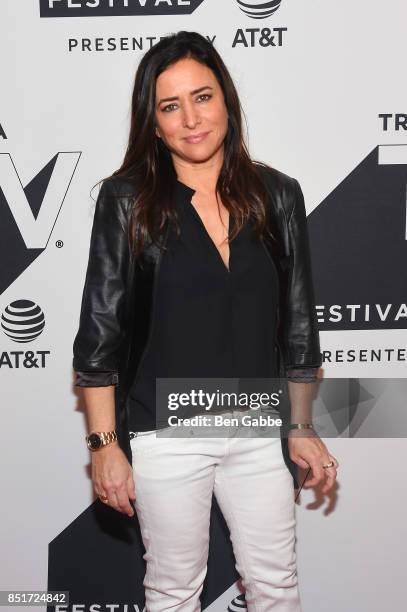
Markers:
196,138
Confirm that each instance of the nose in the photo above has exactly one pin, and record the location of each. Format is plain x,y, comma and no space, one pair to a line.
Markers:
190,115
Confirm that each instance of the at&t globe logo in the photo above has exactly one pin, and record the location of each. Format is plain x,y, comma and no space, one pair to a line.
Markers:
22,321
258,9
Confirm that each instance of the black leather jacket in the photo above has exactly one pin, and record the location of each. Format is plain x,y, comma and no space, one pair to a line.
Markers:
118,296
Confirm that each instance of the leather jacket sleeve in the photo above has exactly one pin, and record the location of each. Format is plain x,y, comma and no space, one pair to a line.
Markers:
301,346
97,343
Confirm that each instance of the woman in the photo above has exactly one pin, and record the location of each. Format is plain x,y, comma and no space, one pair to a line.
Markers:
199,267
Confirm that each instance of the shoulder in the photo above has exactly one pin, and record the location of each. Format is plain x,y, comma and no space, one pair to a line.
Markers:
114,201
117,194
120,186
282,187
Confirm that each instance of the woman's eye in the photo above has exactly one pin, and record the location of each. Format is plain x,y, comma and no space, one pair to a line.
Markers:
168,107
207,96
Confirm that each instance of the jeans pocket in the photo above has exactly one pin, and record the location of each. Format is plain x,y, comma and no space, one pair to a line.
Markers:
148,441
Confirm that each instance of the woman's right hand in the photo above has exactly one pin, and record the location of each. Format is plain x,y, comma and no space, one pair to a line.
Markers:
112,477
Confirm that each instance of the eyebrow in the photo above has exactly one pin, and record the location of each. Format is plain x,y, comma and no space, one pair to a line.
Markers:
192,93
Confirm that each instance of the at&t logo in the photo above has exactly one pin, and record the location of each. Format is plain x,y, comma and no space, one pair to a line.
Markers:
23,321
258,9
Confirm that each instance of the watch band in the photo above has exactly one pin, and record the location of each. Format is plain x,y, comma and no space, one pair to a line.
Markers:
301,426
97,439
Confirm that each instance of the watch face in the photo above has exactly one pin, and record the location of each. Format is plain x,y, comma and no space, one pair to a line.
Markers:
94,441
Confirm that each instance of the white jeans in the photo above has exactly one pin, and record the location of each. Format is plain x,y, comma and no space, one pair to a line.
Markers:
174,481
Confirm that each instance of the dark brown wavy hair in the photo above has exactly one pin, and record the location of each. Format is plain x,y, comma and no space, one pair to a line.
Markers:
148,163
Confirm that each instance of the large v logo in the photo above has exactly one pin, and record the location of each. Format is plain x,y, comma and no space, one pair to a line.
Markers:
28,214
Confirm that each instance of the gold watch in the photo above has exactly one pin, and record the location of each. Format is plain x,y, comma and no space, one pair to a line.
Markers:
98,439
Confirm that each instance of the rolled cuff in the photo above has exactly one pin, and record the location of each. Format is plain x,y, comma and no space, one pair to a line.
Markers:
306,375
96,379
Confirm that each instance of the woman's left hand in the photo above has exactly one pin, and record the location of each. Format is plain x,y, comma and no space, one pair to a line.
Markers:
306,449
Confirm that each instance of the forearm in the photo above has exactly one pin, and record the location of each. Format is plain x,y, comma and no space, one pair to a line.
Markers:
301,396
100,408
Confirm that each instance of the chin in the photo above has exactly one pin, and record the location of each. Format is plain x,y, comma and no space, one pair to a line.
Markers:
200,159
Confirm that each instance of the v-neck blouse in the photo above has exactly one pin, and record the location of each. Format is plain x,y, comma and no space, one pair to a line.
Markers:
208,321
189,205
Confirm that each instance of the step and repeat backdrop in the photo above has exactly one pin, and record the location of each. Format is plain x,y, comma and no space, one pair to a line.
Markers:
322,87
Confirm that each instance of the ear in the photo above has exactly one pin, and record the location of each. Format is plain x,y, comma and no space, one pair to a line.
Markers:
157,133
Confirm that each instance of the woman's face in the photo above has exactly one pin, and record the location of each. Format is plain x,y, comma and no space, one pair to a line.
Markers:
191,116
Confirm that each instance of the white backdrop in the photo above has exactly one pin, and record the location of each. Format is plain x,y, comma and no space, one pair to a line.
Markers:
313,106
